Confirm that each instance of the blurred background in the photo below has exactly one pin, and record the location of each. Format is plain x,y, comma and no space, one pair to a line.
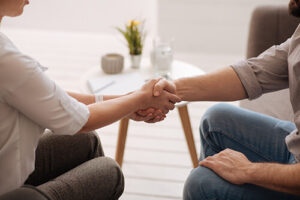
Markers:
201,28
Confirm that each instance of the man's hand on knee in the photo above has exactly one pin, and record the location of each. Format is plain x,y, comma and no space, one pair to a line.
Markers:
230,165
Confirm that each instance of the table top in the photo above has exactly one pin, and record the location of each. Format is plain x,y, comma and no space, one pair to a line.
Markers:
179,69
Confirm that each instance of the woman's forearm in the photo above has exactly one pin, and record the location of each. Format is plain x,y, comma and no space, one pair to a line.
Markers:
109,111
88,99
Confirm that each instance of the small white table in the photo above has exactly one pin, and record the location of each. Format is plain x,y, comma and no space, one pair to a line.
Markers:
179,70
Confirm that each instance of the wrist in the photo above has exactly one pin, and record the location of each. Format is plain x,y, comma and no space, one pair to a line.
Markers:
140,98
98,98
250,173
178,84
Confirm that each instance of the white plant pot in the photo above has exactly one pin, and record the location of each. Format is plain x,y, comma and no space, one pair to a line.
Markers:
136,61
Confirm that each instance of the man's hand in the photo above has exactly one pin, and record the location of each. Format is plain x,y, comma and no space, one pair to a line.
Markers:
162,85
230,165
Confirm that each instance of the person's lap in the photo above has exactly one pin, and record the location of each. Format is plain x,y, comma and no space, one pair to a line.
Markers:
74,167
259,137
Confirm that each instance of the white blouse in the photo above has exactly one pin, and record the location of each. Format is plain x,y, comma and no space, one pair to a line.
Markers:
29,103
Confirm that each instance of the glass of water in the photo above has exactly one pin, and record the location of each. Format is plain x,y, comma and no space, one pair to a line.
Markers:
162,57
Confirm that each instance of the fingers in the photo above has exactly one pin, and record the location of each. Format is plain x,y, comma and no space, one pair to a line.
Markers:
156,119
145,112
149,115
207,163
163,84
137,117
170,106
173,98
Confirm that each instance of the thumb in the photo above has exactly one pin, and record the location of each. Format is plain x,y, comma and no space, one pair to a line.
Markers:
159,87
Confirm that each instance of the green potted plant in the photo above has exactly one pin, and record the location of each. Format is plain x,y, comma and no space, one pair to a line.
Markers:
135,36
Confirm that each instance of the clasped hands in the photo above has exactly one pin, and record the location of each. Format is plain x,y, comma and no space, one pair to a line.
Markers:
159,97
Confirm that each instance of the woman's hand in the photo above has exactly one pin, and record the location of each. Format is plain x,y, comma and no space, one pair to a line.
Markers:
149,115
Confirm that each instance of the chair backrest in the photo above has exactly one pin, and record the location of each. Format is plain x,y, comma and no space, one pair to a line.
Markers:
270,25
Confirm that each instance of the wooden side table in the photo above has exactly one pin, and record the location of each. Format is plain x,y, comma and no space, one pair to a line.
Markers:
179,70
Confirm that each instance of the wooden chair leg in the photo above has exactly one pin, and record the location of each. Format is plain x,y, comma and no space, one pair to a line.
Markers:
123,128
186,124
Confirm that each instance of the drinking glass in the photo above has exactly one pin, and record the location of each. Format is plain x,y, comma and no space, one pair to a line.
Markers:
162,57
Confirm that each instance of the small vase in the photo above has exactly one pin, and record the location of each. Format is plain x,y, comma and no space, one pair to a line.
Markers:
136,61
112,63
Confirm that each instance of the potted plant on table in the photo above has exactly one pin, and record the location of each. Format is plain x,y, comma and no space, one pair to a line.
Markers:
135,36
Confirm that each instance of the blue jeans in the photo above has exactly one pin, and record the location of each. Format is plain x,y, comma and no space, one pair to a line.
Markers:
261,138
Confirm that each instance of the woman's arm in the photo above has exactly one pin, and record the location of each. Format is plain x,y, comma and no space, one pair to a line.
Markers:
149,115
107,112
88,99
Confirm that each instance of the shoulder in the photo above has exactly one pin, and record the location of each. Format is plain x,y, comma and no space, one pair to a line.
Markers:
295,39
15,67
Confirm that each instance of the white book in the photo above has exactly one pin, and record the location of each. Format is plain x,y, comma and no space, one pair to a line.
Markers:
116,84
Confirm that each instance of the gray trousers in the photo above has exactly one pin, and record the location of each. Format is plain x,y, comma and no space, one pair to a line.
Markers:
74,168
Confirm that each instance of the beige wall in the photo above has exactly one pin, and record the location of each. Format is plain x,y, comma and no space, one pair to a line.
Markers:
198,26
214,27
83,15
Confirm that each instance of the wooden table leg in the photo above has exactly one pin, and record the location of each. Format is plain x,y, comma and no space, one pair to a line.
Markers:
186,124
123,127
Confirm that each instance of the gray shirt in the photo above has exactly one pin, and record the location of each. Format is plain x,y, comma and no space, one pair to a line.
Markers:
275,69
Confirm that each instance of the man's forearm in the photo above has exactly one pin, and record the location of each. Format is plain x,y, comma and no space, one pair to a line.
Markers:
223,85
279,177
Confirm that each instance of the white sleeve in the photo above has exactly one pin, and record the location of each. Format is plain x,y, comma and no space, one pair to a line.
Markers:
26,88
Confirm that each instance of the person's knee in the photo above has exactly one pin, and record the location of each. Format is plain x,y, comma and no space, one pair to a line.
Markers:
113,176
97,179
201,184
216,116
93,143
217,113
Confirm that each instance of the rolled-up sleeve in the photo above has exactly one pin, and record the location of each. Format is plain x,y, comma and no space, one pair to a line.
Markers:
34,95
266,73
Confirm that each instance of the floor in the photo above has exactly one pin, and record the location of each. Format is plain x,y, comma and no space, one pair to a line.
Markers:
156,161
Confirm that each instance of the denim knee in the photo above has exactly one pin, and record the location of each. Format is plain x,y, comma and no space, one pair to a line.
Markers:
217,113
217,116
202,184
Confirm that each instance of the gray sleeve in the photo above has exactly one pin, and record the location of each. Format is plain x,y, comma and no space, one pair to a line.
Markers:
266,73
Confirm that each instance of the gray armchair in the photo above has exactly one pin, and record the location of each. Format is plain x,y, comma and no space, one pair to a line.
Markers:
270,25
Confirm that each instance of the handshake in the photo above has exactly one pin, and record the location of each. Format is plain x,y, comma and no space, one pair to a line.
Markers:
157,98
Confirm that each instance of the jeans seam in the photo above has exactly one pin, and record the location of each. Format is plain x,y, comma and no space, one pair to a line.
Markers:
220,131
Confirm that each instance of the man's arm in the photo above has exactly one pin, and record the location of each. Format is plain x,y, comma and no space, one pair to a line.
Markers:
222,85
234,167
280,177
